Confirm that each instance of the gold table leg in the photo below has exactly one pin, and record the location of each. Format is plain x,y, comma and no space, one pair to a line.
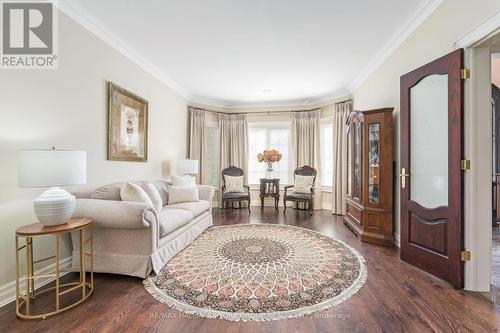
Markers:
28,276
58,286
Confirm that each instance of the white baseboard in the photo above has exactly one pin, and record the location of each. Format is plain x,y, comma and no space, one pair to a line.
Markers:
8,290
397,240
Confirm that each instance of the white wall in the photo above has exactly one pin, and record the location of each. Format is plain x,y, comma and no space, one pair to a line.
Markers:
433,38
66,108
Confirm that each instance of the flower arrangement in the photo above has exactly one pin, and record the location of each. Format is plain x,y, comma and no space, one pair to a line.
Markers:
269,156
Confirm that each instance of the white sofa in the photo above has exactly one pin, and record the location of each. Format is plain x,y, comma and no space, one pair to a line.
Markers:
130,238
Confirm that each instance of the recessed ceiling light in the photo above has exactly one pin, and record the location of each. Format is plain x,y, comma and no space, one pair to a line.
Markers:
267,91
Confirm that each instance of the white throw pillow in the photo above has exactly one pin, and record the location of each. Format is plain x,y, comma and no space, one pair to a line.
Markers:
178,194
133,192
183,181
234,184
153,195
303,184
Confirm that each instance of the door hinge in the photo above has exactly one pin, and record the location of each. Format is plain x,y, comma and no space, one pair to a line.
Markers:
465,73
465,165
465,255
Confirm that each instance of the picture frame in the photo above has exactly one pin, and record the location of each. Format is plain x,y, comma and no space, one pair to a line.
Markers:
127,125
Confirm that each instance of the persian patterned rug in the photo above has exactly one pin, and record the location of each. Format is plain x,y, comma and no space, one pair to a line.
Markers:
259,272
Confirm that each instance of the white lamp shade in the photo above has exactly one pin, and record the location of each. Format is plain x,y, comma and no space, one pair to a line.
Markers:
46,168
188,167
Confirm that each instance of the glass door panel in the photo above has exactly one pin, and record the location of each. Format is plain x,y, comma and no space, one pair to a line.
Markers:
373,163
429,141
357,161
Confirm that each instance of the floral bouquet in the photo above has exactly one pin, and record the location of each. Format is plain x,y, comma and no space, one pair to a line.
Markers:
269,157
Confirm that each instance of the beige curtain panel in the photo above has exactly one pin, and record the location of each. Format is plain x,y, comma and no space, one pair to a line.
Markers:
306,145
339,184
233,133
197,148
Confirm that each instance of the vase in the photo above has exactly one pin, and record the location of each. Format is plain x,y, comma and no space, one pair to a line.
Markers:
269,170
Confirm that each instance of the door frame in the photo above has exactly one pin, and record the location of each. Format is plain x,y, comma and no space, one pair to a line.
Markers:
477,126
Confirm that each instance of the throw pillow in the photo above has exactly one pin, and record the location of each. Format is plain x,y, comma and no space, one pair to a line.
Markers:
178,194
303,184
107,192
133,192
234,184
153,195
183,181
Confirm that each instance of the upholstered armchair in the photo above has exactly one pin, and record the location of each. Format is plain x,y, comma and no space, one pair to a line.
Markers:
301,197
234,196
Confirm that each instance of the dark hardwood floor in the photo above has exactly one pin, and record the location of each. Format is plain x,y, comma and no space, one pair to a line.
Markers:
396,297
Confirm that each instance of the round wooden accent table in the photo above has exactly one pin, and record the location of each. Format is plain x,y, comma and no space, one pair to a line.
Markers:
26,301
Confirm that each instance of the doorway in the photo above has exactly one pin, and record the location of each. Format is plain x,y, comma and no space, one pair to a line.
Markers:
495,176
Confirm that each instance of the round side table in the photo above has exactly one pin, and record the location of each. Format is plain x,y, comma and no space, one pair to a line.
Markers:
29,232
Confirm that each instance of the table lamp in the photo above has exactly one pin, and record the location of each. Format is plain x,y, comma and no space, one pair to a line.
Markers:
52,168
188,167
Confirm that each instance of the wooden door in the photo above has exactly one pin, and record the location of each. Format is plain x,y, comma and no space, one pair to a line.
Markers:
431,173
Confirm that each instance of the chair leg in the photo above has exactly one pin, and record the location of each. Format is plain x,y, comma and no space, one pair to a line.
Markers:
311,206
248,204
284,206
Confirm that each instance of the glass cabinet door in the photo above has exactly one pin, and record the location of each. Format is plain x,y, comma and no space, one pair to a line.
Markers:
357,162
373,163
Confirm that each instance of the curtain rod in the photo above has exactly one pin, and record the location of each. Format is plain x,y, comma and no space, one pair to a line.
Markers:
269,111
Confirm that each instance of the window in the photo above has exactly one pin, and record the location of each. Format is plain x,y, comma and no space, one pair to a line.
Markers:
327,153
212,153
263,136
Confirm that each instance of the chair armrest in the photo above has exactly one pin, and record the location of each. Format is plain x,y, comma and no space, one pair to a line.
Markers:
116,214
247,188
288,186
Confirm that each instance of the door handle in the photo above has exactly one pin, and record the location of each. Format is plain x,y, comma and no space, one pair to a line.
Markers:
403,176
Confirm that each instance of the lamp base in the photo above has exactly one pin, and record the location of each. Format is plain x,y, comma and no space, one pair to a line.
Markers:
54,207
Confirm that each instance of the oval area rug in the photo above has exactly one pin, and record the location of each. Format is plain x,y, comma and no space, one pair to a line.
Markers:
259,272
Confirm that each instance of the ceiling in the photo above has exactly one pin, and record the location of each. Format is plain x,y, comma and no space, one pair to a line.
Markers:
254,52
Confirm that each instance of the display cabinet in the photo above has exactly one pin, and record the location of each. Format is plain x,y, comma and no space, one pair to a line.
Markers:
370,176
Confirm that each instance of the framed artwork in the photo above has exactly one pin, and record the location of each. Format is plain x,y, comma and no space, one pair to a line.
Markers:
127,125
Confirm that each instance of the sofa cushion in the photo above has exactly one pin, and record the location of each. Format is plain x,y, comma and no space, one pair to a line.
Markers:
135,193
171,219
196,208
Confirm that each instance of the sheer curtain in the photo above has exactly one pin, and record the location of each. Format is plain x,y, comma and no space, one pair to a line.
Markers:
306,145
197,149
339,184
233,143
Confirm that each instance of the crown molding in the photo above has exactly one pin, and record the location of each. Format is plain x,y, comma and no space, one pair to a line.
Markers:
89,22
479,33
422,13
